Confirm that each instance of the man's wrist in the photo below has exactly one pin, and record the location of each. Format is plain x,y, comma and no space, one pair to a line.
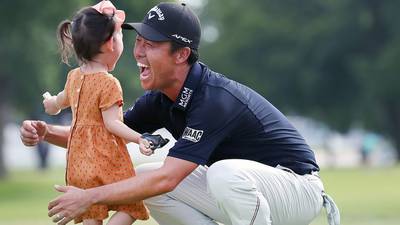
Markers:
93,196
45,133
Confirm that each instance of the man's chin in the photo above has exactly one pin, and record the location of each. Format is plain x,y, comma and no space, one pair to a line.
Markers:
146,87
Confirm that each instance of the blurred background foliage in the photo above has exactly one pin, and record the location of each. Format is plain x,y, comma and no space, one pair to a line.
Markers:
332,60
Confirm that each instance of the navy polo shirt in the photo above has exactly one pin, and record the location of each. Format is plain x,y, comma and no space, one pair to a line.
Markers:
215,118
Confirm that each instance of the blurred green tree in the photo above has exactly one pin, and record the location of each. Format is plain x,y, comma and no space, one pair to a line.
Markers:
330,60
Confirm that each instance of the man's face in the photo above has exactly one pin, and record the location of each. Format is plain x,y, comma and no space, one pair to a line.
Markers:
155,63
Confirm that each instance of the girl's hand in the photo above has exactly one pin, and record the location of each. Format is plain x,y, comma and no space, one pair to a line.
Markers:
50,104
151,142
145,147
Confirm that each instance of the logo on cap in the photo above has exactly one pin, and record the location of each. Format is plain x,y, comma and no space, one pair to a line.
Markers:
157,11
179,37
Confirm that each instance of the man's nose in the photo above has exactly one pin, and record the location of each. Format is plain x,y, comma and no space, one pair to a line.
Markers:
138,50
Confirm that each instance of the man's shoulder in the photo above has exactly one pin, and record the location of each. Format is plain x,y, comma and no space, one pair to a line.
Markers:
150,97
221,87
216,96
213,81
150,94
212,77
220,81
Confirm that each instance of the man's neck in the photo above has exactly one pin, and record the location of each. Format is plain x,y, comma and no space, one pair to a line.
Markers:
173,91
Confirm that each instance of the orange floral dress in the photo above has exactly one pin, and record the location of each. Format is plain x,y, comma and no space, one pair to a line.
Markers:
95,156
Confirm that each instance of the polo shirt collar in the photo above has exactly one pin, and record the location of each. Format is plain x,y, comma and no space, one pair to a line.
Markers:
186,94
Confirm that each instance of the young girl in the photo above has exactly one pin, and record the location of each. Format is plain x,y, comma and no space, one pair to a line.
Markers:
97,153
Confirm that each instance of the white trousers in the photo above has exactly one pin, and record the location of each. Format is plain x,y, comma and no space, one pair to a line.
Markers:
238,192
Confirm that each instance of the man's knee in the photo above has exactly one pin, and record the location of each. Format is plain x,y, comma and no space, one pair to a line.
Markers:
223,177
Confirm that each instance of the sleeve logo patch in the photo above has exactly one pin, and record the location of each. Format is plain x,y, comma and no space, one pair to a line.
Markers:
192,135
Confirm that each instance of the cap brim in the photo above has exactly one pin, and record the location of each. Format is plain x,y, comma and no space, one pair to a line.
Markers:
145,31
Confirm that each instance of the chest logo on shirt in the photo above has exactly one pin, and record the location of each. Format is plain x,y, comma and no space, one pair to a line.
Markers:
192,135
185,96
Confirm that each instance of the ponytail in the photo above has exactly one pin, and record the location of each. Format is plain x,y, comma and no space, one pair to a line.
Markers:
64,38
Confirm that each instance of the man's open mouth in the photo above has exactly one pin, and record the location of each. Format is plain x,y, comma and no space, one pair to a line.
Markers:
144,71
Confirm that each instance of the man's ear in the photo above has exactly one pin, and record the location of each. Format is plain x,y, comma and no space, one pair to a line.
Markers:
182,55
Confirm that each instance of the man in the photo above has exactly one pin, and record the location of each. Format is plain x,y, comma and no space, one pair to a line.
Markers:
237,159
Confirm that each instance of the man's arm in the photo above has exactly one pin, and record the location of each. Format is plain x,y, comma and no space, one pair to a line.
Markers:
34,131
57,135
145,185
75,201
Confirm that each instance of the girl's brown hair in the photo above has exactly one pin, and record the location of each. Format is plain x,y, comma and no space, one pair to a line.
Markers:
84,35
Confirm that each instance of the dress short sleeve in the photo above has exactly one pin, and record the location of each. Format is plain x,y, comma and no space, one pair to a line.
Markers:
66,103
111,93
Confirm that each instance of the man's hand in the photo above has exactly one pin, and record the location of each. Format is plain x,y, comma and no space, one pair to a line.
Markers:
31,132
69,205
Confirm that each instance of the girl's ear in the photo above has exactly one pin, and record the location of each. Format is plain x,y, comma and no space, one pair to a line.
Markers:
109,45
182,54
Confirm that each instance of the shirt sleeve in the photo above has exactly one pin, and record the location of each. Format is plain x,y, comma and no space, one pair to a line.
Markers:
111,93
208,124
145,114
66,103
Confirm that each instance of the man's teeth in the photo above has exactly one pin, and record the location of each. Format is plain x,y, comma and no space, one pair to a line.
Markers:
142,65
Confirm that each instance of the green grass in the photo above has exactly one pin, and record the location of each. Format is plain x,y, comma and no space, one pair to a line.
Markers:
364,196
